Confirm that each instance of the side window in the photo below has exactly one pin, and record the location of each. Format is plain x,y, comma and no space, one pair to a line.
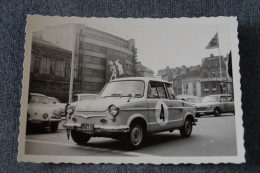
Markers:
170,91
74,98
230,99
223,99
152,91
161,90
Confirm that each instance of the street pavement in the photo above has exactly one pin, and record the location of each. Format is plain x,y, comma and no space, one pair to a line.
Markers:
212,136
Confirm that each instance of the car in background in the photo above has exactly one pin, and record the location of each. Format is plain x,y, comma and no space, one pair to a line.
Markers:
41,113
81,97
129,109
55,102
215,104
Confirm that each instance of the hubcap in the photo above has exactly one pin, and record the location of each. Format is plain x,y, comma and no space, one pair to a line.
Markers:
136,135
188,127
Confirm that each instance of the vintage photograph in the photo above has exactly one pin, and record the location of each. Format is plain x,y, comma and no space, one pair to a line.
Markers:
114,90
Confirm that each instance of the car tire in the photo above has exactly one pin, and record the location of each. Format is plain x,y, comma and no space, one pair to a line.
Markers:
79,137
136,136
217,112
186,129
54,127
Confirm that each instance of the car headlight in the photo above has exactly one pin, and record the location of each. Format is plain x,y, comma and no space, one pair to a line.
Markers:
113,110
56,112
194,106
209,106
45,116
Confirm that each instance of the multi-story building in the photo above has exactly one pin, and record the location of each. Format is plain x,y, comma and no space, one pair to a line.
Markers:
50,70
191,83
187,83
95,53
214,78
143,71
99,56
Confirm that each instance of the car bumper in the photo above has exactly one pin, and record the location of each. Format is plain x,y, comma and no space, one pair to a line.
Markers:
208,111
98,129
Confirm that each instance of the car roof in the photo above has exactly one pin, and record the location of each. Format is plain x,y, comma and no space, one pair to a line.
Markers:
37,94
146,79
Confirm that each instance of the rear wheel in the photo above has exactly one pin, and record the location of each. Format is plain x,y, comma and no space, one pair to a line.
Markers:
135,138
186,129
217,112
79,137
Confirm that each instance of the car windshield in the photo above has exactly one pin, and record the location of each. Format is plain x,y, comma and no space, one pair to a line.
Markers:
194,100
53,100
39,100
124,89
210,99
88,97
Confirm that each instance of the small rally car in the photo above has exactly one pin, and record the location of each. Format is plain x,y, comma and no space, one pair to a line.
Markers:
129,109
215,104
41,113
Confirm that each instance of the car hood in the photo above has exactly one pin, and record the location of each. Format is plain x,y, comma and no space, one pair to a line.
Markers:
102,104
204,104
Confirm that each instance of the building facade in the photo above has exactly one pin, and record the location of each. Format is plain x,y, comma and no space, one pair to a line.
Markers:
214,78
98,55
143,71
187,83
50,70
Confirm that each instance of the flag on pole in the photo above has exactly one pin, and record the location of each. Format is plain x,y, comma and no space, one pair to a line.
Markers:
213,44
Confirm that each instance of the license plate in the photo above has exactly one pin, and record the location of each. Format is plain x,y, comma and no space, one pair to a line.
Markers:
87,127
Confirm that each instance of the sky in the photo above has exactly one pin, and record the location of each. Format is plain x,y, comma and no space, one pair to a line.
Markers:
159,42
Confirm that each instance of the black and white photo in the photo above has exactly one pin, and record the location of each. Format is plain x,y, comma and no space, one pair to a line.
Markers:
114,90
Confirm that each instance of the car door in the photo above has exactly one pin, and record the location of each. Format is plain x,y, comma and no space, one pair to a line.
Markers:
223,104
175,108
230,102
157,107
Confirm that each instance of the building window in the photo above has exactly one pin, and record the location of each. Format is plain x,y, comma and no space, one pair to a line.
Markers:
214,87
194,88
206,87
36,65
45,65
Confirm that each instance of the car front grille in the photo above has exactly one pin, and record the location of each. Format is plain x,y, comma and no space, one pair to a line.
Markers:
201,109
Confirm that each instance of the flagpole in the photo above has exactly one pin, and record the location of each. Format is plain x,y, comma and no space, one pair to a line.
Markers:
220,66
72,64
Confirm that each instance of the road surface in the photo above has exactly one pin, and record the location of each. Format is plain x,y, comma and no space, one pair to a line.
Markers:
212,136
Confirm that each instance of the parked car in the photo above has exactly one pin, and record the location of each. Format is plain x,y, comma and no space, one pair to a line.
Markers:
215,104
41,113
129,109
189,98
81,97
55,102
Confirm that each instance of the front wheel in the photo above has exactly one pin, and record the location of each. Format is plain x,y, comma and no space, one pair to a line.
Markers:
79,137
186,129
54,127
136,136
217,112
